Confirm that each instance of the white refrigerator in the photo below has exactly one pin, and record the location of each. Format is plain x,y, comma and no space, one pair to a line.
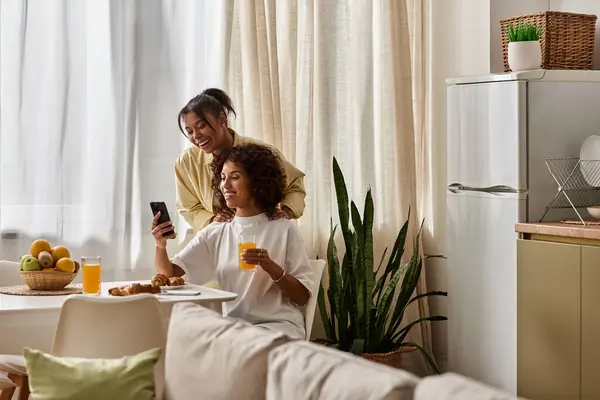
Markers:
500,130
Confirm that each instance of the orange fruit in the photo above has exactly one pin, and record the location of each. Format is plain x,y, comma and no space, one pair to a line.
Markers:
65,264
38,246
59,252
47,269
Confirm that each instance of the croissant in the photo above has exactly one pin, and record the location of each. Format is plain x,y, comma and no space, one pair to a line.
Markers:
117,291
160,280
137,288
176,281
134,288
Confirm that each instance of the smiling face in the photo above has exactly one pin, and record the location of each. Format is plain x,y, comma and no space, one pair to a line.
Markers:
202,134
237,190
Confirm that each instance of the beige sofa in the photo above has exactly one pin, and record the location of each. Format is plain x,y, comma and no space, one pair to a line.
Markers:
211,357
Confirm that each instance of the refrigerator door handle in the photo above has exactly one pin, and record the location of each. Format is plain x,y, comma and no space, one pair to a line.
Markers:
458,188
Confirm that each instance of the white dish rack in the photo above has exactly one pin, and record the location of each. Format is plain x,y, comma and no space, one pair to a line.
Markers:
572,175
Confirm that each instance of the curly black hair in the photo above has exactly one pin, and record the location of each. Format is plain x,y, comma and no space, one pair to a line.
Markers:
263,168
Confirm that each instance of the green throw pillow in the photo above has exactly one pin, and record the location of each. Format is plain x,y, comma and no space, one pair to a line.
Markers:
71,378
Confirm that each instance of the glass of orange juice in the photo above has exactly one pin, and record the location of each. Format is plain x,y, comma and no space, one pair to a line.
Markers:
246,242
91,274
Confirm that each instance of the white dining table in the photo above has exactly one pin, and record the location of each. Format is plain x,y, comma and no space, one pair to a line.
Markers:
31,320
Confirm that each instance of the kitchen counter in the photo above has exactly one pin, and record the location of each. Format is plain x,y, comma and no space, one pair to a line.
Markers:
568,232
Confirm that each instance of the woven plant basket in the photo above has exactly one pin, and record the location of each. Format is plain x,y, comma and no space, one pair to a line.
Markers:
47,280
391,359
567,39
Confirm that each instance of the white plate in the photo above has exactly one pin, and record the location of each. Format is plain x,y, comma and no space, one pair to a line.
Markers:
590,150
175,287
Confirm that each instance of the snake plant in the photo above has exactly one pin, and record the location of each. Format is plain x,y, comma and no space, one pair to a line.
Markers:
366,307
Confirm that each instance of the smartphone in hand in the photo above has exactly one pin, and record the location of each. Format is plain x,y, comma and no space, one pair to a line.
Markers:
157,206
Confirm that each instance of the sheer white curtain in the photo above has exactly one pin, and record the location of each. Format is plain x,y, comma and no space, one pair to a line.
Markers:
329,78
89,94
430,144
332,78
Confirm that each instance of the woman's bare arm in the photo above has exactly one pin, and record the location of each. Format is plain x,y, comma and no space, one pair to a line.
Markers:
164,265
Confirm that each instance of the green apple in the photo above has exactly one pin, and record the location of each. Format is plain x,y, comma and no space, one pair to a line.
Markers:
30,264
21,262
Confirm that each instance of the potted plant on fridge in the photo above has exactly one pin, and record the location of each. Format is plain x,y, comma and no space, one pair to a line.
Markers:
366,307
524,51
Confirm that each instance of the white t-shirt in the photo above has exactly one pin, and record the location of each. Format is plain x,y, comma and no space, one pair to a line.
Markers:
213,255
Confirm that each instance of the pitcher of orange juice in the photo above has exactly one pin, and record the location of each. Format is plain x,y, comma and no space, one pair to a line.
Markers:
246,241
91,270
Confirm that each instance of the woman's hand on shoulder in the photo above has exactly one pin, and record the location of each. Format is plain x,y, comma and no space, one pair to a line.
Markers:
280,213
224,216
159,229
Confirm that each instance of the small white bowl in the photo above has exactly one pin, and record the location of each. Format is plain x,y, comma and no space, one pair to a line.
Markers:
594,212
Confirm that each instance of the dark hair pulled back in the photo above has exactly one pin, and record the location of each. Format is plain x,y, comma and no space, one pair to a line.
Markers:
211,101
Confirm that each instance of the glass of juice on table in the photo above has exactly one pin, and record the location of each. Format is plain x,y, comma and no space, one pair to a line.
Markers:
91,274
246,242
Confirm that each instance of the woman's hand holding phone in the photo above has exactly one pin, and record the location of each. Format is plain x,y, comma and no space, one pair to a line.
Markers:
159,229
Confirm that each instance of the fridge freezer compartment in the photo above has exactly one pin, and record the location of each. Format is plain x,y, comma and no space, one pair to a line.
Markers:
487,135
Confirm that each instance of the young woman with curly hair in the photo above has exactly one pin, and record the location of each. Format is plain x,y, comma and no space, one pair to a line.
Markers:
203,121
249,182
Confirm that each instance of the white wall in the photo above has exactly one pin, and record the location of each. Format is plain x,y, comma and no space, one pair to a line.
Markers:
465,40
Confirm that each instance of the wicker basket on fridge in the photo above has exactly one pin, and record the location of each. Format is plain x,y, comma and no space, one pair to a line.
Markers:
567,39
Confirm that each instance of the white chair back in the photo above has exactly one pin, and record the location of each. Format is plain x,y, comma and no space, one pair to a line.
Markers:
311,306
105,327
10,273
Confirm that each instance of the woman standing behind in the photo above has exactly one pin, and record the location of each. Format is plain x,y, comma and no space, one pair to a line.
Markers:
205,125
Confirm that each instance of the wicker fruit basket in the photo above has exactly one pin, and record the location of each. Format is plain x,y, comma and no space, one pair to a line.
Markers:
567,40
47,280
